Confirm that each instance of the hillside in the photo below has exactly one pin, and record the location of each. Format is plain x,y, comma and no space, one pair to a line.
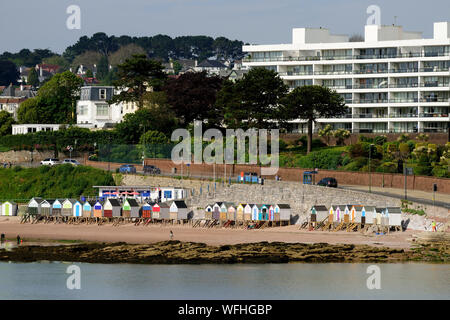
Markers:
63,181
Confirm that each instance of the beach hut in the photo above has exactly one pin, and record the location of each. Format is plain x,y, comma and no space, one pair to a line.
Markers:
223,211
395,216
231,212
369,215
77,209
276,214
360,212
67,207
131,207
331,214
164,210
156,211
87,208
271,213
9,208
285,211
46,207
34,206
319,213
178,210
255,212
57,208
240,212
112,208
98,209
216,210
264,212
347,209
146,210
208,212
0,209
378,215
248,212
339,213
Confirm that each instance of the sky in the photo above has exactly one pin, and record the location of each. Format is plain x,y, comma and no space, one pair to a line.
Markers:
42,24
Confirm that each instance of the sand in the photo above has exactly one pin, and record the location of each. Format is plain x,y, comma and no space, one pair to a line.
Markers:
155,233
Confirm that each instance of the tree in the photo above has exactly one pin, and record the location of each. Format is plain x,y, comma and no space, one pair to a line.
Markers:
153,137
252,102
6,122
340,135
28,111
87,59
135,76
58,60
313,102
33,78
8,73
89,73
102,68
326,133
192,96
124,53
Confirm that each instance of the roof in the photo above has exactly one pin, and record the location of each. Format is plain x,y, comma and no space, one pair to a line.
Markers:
394,210
283,206
320,208
180,204
9,91
114,202
133,203
211,64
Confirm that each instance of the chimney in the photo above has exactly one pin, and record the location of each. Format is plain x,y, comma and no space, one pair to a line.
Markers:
196,62
41,72
21,87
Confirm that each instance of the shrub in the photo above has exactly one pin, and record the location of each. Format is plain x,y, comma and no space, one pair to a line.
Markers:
380,140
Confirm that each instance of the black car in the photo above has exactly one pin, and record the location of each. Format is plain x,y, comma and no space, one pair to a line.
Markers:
151,169
328,182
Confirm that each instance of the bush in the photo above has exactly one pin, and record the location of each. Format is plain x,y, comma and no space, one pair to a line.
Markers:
355,165
387,167
324,159
380,140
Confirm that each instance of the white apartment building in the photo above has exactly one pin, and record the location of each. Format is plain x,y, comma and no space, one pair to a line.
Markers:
394,81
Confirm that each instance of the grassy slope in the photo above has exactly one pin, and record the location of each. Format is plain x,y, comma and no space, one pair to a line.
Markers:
51,182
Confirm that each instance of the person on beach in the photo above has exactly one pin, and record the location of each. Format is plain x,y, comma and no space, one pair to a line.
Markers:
433,226
2,239
171,235
18,239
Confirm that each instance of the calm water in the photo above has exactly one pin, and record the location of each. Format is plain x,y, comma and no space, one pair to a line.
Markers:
269,281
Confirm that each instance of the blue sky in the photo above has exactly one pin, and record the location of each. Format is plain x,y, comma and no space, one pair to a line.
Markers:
42,24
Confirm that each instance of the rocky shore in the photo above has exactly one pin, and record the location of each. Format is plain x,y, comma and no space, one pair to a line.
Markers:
176,252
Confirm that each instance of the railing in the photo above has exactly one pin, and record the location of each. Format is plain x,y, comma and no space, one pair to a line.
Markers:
432,115
291,73
403,70
339,87
435,84
403,115
403,85
370,71
347,57
413,100
434,69
369,86
436,99
363,101
321,73
368,115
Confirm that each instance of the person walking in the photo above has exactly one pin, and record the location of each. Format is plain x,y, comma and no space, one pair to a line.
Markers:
2,238
171,235
433,226
18,239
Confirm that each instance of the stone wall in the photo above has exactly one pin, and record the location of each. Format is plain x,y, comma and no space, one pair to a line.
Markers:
18,157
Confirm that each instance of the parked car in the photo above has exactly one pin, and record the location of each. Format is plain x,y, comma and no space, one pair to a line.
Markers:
151,169
328,182
50,162
127,168
71,161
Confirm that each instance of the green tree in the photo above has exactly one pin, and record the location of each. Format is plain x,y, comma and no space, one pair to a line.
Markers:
138,74
89,73
8,73
313,102
33,78
326,133
252,102
102,68
6,122
340,135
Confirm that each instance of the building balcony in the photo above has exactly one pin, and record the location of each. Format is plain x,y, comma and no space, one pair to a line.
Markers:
369,86
403,70
403,115
364,101
368,115
292,73
435,69
434,115
435,84
434,99
413,100
369,71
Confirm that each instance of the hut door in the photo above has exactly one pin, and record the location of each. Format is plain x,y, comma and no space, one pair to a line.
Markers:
7,209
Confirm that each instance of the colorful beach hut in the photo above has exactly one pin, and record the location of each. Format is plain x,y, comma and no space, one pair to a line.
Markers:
378,215
156,211
319,213
255,212
216,210
98,209
57,208
87,208
112,208
240,211
264,212
77,209
370,214
272,213
208,212
331,214
231,212
248,212
178,210
276,215
360,212
9,208
146,210
67,207
130,208
34,206
223,211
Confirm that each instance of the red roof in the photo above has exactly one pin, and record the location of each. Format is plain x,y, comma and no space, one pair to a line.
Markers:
12,100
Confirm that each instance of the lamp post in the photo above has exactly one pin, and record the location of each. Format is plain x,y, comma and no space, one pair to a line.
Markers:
370,169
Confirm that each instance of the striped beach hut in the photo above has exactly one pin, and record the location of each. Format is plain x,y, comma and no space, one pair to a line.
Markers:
87,208
264,212
178,210
156,211
57,208
271,213
112,208
231,212
46,207
276,215
97,210
9,208
34,206
331,214
240,211
208,212
67,207
255,212
77,209
146,210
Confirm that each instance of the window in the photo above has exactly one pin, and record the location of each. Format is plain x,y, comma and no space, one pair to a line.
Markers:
102,110
102,94
82,110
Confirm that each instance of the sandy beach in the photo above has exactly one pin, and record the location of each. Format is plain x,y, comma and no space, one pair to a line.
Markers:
155,233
